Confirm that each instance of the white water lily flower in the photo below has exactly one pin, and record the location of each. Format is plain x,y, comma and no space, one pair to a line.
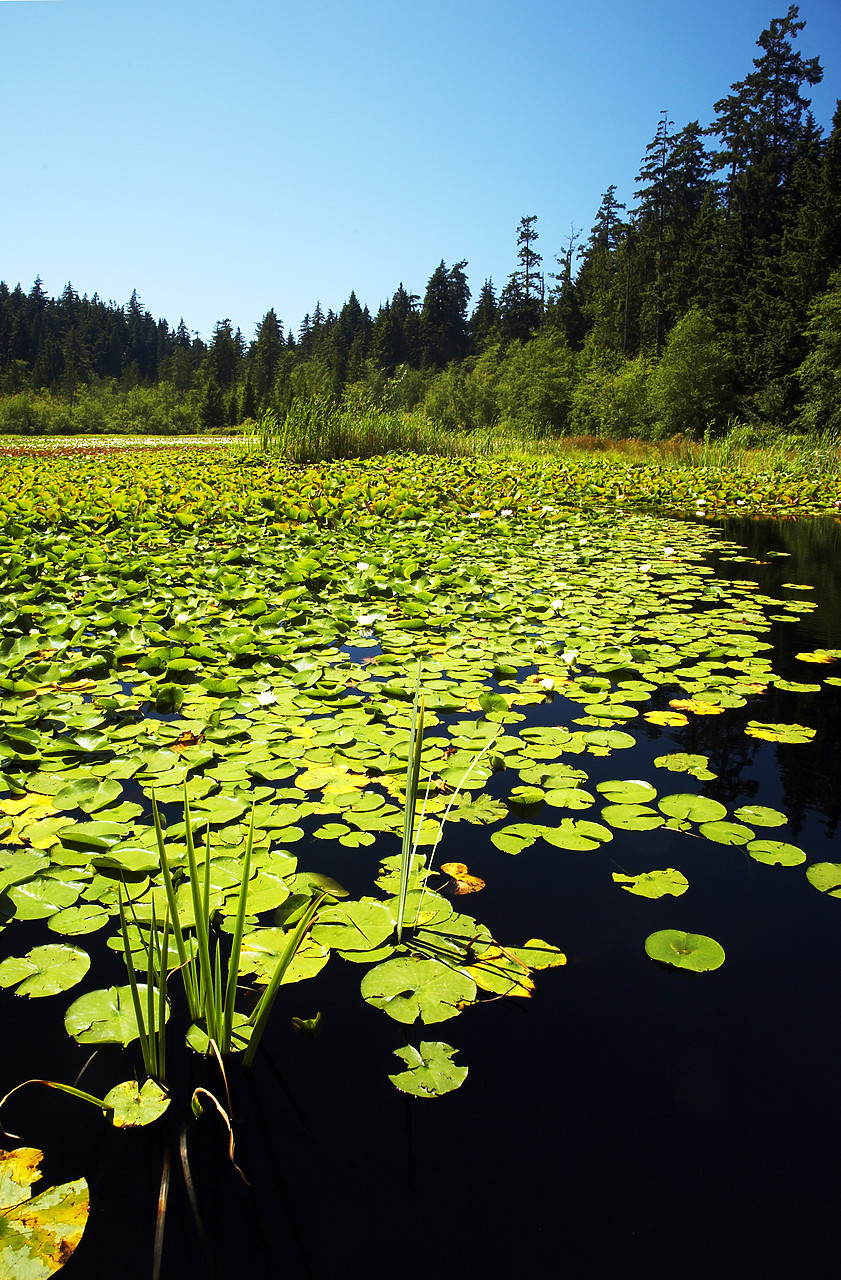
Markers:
506,512
266,698
366,619
569,655
645,568
668,551
362,566
557,605
547,683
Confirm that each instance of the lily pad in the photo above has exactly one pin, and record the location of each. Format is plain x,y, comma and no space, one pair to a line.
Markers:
106,1016
38,1234
691,808
776,852
45,970
135,1106
430,1070
693,951
825,877
654,884
408,989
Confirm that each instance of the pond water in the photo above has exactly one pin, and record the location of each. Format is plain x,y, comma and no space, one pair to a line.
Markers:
629,1117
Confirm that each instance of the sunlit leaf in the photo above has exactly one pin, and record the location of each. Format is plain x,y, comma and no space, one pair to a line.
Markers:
692,951
430,1070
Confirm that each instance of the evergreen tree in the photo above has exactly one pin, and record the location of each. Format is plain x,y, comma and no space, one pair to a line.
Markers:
265,355
483,322
443,320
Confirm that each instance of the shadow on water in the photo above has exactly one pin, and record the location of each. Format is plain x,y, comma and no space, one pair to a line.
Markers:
627,1119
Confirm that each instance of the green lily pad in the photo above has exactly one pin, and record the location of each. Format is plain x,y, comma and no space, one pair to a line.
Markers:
355,926
654,884
135,1106
42,896
726,832
776,852
760,815
78,920
430,1070
408,989
38,1234
45,970
631,817
692,951
106,1016
682,762
627,791
690,808
825,877
576,834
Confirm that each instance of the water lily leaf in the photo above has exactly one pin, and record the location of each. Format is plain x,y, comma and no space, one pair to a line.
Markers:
38,1234
569,798
669,719
820,655
692,951
40,897
463,882
779,732
776,852
516,837
631,817
219,809
697,706
355,926
45,970
627,791
262,948
501,973
88,794
22,864
691,808
527,796
576,834
726,832
135,1106
825,877
106,1016
760,815
86,918
431,1071
654,884
681,762
408,989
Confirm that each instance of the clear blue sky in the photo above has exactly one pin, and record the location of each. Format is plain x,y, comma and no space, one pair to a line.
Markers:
226,157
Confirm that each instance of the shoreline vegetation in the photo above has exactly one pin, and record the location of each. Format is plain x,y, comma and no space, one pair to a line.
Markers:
709,305
306,485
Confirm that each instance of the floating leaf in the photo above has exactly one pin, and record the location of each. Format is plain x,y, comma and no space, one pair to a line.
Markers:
776,852
726,832
106,1016
825,877
779,732
45,970
760,815
627,791
462,881
685,950
691,808
820,655
654,884
408,989
680,762
632,817
431,1070
38,1234
135,1106
576,834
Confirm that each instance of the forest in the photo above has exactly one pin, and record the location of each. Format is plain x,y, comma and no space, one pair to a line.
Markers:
711,301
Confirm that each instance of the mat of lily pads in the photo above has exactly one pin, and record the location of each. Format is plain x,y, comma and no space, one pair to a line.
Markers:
260,645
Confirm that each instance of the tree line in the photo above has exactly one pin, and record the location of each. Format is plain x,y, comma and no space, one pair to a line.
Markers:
715,297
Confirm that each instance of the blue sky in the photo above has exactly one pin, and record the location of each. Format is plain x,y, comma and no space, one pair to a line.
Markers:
224,158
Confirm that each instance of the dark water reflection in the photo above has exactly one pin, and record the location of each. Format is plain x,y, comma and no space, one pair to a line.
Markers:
626,1120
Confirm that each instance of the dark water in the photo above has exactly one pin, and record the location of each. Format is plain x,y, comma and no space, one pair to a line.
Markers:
627,1120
